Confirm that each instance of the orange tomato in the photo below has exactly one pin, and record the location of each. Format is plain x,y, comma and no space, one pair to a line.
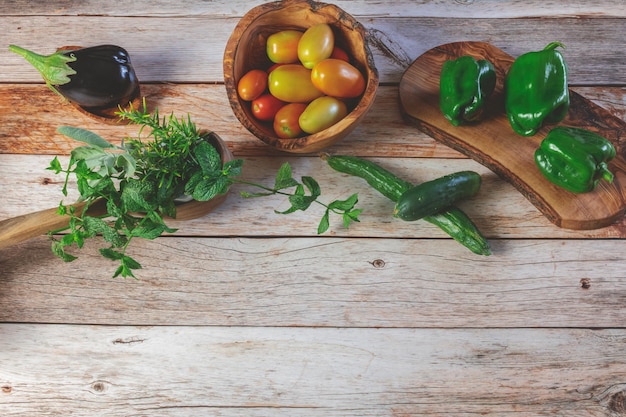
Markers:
338,78
316,44
322,113
282,47
286,124
265,107
252,84
292,83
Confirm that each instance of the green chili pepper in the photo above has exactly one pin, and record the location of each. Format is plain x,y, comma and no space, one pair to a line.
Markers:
536,90
464,85
574,158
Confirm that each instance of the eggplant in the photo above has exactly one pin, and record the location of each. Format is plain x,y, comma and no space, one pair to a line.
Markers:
96,77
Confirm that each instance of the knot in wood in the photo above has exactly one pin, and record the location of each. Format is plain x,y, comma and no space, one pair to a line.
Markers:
99,387
378,263
6,389
617,402
585,283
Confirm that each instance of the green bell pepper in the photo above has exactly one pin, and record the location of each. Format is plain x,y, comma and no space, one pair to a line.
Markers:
574,158
464,85
536,90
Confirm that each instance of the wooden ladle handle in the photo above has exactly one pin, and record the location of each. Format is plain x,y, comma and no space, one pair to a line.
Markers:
21,228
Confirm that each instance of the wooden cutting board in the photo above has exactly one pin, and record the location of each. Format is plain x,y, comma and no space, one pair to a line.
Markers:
494,144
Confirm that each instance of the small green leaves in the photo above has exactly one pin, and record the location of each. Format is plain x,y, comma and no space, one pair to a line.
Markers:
284,178
140,181
301,200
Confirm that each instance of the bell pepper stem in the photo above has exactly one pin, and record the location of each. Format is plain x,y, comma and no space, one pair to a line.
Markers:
605,173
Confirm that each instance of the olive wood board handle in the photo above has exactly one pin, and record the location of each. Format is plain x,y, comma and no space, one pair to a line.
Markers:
493,143
21,228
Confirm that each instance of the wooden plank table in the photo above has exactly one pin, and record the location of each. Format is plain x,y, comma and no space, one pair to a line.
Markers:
245,312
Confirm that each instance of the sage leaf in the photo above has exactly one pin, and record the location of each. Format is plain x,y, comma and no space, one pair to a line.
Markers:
85,136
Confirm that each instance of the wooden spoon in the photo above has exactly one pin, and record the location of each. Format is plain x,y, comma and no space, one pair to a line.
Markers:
493,143
27,226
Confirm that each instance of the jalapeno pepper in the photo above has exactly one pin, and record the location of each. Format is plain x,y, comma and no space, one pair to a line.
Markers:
574,158
536,90
95,77
464,85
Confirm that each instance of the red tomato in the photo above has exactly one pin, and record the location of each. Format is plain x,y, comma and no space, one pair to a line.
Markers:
252,84
265,107
316,44
292,83
338,78
282,47
286,123
322,113
339,53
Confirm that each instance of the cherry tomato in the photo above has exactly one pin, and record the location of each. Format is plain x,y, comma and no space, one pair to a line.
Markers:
292,83
338,78
252,84
286,124
322,113
339,53
316,44
282,47
265,107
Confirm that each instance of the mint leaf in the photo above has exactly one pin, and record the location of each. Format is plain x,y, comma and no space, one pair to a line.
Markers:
284,178
58,250
324,223
344,205
312,186
233,168
134,196
209,188
55,165
208,158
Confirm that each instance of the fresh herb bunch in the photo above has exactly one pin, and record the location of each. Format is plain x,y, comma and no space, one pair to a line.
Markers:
140,180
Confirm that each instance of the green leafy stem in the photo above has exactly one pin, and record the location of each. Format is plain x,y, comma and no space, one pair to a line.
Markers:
139,183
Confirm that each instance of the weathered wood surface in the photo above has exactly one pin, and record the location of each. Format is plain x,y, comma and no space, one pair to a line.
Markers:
267,371
245,312
323,282
170,55
386,134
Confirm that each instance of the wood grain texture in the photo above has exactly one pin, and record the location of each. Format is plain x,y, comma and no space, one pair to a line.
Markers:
493,142
383,132
236,372
245,312
329,281
366,8
169,56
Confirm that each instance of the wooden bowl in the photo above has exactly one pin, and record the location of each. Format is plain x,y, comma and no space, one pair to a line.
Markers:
245,51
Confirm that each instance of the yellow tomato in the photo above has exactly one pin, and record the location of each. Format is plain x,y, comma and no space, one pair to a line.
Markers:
322,113
316,44
292,83
338,78
282,47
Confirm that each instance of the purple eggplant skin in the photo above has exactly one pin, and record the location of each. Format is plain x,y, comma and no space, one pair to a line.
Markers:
96,77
